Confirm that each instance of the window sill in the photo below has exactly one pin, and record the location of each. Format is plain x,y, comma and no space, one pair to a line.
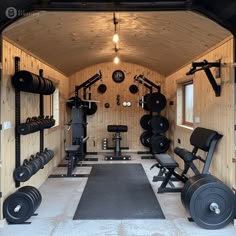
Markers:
185,127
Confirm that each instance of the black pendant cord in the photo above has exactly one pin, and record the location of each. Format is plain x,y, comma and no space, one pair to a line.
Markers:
17,123
41,113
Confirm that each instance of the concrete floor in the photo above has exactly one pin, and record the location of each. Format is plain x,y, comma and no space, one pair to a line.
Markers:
61,197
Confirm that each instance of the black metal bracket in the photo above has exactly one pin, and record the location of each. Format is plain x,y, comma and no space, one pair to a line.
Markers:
41,113
205,65
17,122
147,83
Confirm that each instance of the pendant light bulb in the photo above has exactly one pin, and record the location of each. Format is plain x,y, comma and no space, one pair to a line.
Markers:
115,38
116,60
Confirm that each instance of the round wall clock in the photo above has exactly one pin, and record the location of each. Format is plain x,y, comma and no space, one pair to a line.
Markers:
118,76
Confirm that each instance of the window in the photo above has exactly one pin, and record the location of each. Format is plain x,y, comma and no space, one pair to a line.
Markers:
185,103
52,104
55,102
188,103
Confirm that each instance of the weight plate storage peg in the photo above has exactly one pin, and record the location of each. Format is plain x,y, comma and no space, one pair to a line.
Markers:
210,203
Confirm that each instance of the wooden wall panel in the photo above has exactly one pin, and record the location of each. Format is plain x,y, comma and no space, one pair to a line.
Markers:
214,112
54,138
97,123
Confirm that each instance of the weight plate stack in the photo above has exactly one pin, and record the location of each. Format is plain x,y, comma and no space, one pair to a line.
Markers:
21,205
209,201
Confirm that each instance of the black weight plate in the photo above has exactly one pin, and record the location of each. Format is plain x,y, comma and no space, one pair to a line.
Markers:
145,138
40,159
51,152
23,173
23,128
47,156
133,88
102,88
35,194
31,194
41,85
207,191
33,165
37,163
189,184
90,109
159,144
159,124
156,102
118,76
10,205
107,105
145,122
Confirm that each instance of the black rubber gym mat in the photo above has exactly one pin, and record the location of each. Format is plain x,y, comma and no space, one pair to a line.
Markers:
118,191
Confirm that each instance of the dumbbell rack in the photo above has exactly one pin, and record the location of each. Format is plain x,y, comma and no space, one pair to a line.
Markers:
18,120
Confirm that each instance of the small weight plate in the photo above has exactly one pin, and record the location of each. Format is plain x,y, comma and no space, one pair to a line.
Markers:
23,173
118,76
133,88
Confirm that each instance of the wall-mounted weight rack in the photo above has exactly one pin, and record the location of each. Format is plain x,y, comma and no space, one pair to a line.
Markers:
42,84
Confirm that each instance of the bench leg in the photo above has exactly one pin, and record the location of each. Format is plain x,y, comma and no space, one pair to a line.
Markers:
70,164
167,180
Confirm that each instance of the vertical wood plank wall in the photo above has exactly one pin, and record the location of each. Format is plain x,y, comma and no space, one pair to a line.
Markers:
54,138
215,113
97,123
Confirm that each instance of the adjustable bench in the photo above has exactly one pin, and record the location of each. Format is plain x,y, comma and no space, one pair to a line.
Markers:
201,138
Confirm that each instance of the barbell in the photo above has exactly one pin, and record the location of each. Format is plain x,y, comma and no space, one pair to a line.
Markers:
210,203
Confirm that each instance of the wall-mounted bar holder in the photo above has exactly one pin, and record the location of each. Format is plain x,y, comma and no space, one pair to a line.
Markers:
205,65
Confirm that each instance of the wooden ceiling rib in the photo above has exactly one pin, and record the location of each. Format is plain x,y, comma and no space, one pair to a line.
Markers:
71,41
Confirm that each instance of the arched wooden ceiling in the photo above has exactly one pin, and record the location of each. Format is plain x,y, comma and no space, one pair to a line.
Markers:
162,35
71,41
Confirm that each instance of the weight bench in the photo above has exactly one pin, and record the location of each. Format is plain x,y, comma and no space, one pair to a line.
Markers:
201,138
75,154
117,129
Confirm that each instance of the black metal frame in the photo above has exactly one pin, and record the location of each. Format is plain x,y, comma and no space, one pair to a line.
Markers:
18,120
205,65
